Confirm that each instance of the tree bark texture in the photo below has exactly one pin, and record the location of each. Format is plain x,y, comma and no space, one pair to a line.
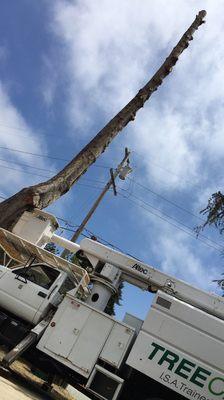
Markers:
45,193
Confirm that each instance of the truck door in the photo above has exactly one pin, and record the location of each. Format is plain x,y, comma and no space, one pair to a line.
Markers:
25,291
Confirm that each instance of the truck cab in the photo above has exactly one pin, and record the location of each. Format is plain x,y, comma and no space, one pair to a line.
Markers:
177,352
31,291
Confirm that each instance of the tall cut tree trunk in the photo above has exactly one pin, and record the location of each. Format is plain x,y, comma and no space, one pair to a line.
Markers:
43,194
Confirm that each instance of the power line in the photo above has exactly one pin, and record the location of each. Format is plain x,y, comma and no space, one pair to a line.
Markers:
48,177
19,128
26,165
164,169
174,219
189,231
90,233
46,156
27,137
169,172
98,187
25,172
165,199
41,169
33,154
132,195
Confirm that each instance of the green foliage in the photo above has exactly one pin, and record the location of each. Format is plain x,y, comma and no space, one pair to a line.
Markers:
214,212
52,248
215,216
220,283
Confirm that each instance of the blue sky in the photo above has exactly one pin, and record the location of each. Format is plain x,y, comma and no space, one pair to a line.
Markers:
66,67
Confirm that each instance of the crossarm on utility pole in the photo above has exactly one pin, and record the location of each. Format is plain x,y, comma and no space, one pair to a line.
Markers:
45,193
110,183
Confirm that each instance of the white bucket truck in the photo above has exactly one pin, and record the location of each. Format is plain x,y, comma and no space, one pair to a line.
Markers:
53,312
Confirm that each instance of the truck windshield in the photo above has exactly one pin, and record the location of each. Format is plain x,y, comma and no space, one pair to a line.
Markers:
40,274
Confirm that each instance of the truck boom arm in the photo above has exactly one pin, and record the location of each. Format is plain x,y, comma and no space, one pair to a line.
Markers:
150,278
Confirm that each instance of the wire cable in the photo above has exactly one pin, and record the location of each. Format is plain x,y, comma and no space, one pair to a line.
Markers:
48,177
46,156
43,169
99,239
27,165
33,154
21,129
165,199
170,217
164,169
130,194
189,231
23,171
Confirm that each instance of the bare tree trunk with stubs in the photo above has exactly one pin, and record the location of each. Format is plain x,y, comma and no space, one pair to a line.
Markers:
45,193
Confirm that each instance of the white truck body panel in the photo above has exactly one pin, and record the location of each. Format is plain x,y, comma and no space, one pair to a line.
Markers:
116,345
35,227
78,335
179,345
173,333
144,276
21,298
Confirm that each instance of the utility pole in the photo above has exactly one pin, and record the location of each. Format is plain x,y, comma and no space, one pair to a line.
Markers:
122,167
43,194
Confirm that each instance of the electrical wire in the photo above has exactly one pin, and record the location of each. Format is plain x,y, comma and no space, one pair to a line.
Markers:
190,232
27,137
168,171
27,165
165,199
42,169
99,239
25,172
46,156
164,169
130,195
20,129
101,182
48,177
33,154
170,217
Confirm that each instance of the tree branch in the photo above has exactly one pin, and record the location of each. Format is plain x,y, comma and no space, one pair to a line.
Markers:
43,194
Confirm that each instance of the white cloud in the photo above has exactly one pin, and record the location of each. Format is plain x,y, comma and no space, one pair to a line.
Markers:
181,255
113,48
15,133
110,50
49,81
182,261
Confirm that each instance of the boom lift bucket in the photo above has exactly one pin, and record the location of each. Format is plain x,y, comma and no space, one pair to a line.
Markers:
21,251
